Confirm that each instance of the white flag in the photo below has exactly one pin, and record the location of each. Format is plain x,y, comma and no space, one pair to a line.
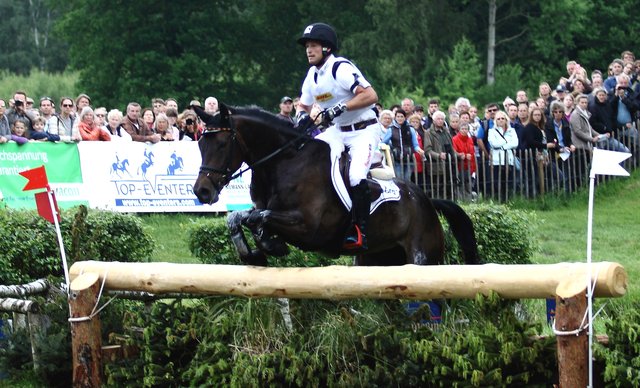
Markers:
607,163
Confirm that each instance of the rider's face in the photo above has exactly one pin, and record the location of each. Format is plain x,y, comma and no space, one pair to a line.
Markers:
314,52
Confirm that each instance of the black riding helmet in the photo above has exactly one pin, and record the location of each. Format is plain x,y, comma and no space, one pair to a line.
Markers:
322,33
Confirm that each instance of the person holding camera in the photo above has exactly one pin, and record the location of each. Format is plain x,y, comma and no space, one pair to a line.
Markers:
624,102
188,125
19,111
136,127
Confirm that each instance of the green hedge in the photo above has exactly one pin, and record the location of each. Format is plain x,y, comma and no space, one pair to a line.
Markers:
210,242
503,234
29,248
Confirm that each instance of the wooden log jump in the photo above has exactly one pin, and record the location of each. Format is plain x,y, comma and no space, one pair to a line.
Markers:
566,282
342,282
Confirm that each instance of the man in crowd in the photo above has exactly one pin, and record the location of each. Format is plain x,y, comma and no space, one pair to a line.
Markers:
46,108
286,106
137,128
19,110
211,105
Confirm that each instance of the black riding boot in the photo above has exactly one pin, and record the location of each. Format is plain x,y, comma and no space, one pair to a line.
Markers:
361,198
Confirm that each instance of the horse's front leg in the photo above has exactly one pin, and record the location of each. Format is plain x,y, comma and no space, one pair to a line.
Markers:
235,220
259,222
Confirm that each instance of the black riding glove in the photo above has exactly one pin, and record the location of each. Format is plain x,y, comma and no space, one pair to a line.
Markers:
302,119
329,114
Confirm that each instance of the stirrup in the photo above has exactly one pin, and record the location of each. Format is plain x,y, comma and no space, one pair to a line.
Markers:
356,240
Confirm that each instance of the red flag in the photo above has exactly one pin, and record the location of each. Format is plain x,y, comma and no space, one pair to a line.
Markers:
44,207
37,178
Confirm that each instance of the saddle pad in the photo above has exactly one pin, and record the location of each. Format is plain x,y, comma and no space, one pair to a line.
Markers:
389,191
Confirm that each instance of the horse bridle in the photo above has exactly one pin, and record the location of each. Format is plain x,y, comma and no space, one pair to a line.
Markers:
225,173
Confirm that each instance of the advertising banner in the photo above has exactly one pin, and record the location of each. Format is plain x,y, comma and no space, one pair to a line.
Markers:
140,177
61,162
118,176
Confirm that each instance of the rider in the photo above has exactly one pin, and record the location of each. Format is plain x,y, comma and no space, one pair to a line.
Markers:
348,100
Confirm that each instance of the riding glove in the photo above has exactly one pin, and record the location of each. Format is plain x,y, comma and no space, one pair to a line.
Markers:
329,114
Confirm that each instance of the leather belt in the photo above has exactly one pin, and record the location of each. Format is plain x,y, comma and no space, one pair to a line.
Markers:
358,126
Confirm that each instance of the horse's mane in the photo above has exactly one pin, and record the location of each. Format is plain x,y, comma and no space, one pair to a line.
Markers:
267,118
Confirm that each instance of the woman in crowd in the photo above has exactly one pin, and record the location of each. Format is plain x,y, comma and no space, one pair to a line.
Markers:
148,117
503,140
64,124
568,102
402,139
117,133
163,128
88,129
188,124
583,135
463,144
386,118
415,121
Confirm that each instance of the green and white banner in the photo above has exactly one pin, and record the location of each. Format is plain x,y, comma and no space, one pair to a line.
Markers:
119,176
61,162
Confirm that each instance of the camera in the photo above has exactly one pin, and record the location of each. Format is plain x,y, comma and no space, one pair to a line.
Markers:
189,121
18,103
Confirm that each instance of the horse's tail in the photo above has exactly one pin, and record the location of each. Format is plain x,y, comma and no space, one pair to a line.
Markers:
461,227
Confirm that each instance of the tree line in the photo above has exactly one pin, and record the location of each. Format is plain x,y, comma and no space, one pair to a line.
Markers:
244,51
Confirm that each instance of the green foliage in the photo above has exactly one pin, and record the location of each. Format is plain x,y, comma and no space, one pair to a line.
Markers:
28,41
460,74
210,242
241,342
53,340
622,356
504,235
38,84
509,79
110,236
29,248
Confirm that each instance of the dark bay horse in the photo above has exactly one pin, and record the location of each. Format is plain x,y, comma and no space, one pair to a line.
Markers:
295,201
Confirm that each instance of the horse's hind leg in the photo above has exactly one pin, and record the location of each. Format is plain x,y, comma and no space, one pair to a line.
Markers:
247,255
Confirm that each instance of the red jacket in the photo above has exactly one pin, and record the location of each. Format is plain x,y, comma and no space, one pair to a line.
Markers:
464,144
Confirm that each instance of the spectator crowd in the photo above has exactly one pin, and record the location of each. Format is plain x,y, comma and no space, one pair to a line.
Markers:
462,146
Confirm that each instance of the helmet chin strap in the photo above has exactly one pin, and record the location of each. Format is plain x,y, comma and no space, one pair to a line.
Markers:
325,54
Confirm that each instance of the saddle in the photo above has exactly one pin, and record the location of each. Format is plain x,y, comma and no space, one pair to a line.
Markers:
380,177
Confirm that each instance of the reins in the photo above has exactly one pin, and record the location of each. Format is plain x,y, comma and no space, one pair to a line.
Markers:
300,134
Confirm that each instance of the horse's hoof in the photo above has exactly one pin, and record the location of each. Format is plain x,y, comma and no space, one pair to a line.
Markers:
257,258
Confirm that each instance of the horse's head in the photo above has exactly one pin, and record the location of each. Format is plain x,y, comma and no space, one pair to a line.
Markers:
220,153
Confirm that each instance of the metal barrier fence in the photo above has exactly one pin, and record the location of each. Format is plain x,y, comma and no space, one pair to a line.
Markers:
533,174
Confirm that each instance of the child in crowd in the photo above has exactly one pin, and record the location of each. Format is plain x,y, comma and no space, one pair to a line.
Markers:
39,133
18,132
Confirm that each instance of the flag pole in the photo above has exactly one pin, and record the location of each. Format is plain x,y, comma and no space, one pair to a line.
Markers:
592,179
63,255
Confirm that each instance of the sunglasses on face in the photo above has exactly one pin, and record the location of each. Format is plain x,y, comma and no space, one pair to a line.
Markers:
67,105
492,110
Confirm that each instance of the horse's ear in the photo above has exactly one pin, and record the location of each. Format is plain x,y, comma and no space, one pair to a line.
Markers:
210,121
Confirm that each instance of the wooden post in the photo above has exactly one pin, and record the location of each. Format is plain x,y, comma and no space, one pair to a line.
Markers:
573,355
86,338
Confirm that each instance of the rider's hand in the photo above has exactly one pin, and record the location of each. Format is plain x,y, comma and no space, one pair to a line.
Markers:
329,114
302,119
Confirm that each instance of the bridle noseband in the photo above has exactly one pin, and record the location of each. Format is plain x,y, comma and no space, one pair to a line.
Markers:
226,170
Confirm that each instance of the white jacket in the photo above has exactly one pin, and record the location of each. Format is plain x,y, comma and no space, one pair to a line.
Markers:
502,144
